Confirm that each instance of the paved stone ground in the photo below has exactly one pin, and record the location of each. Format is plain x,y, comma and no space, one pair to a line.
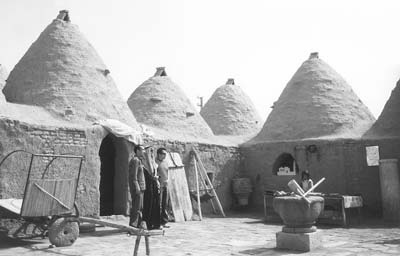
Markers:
238,235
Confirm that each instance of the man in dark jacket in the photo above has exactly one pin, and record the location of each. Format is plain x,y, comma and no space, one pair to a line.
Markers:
137,185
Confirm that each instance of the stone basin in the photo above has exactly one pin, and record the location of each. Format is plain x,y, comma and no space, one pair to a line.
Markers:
296,213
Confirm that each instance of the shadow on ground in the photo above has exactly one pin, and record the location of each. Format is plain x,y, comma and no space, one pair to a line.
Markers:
268,251
52,252
7,242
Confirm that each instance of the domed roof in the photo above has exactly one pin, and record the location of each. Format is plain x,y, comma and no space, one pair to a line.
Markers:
63,73
388,123
3,78
230,111
160,103
316,103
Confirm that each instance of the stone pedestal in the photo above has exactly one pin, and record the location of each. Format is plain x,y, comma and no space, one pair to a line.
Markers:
304,242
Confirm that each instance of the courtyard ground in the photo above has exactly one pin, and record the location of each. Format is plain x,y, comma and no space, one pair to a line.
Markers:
238,234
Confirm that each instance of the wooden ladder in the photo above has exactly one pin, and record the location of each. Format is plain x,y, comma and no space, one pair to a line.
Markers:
201,174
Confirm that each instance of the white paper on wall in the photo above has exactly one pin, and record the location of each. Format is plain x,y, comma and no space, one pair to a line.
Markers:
372,155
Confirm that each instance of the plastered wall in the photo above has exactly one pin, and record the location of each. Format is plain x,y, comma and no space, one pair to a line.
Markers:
342,163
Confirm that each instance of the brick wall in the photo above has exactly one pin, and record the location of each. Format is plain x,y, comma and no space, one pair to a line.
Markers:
36,139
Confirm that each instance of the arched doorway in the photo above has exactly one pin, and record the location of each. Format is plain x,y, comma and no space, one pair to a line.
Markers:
285,164
107,172
114,157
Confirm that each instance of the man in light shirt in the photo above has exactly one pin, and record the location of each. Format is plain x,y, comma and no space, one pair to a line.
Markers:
162,171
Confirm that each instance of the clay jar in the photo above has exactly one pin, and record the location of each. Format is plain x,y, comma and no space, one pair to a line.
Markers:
298,215
241,187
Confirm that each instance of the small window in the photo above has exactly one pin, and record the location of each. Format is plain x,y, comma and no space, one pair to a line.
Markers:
155,99
285,165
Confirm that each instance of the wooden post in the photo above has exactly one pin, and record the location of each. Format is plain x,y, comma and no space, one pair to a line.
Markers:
147,242
143,225
197,188
343,213
137,243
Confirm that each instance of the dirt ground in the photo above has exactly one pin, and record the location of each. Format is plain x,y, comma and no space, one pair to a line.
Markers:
237,234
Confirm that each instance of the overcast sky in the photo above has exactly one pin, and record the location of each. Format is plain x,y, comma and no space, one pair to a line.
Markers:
260,43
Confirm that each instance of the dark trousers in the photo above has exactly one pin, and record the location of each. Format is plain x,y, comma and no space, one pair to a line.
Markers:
164,205
137,208
151,203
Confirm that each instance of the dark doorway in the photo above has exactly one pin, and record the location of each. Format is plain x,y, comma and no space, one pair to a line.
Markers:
107,172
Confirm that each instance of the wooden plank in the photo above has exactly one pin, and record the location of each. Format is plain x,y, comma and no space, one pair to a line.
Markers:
47,197
178,188
35,202
183,191
174,196
132,230
176,158
51,196
11,204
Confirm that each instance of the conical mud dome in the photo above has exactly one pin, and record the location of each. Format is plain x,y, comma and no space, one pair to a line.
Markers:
317,102
63,73
230,111
160,103
3,78
388,123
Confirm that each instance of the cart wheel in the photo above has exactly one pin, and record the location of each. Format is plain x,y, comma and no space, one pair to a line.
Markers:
63,232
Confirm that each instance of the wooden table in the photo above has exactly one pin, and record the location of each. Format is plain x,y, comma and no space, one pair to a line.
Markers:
334,210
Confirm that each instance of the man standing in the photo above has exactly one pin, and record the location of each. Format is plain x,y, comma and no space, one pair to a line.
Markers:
162,171
151,199
137,185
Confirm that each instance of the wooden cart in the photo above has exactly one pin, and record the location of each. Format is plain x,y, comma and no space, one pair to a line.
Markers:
48,207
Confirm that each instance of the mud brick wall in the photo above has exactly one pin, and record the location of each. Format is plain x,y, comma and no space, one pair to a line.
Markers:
342,163
36,139
222,161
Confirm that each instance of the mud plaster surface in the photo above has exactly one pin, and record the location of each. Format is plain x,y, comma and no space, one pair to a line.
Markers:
317,102
230,111
388,123
62,71
33,115
224,140
238,234
3,77
160,103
